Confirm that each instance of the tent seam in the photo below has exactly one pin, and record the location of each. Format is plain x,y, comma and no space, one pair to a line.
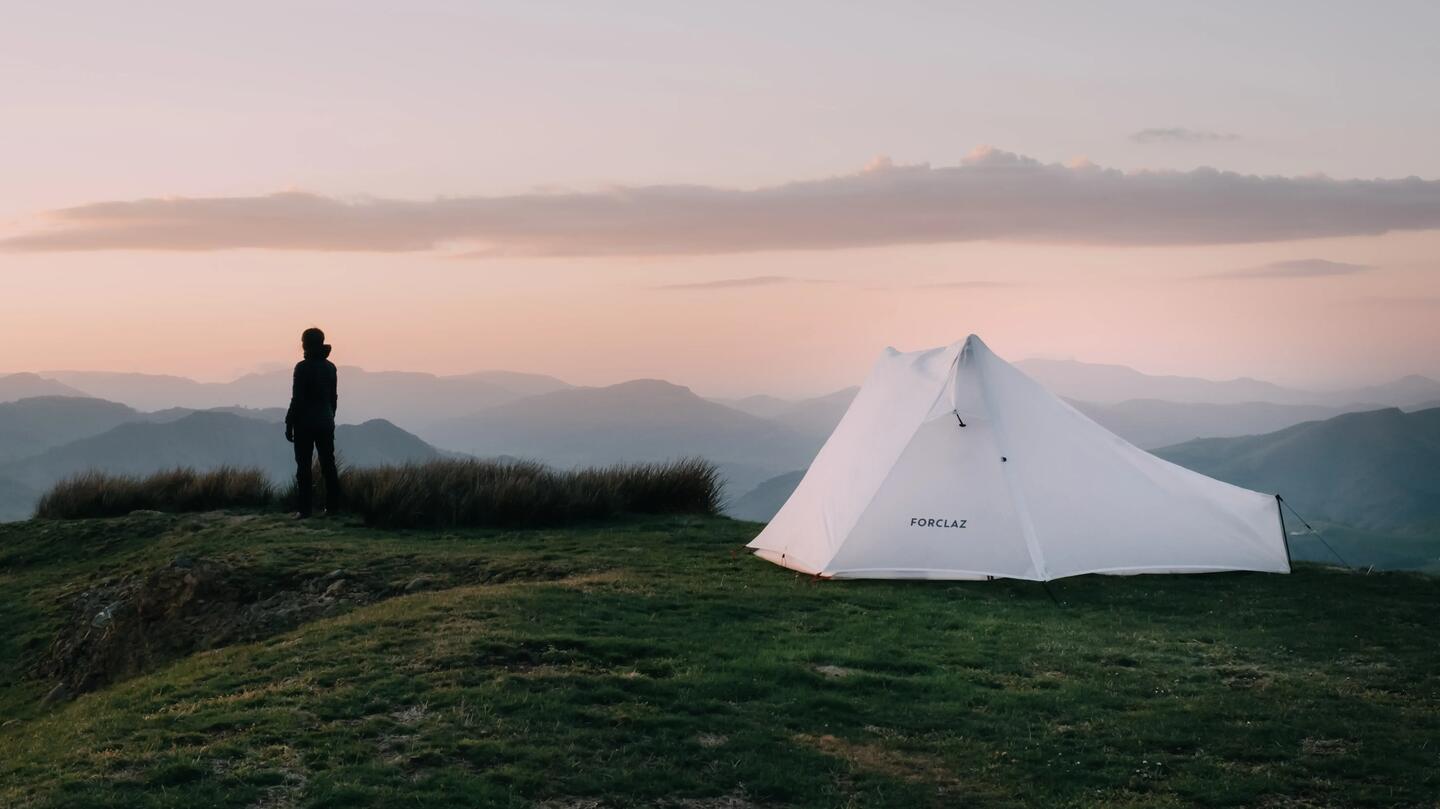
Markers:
1017,499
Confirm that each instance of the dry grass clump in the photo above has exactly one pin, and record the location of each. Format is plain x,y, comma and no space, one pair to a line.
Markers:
433,494
451,493
100,494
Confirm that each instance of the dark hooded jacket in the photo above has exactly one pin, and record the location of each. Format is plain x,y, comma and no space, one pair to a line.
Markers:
313,397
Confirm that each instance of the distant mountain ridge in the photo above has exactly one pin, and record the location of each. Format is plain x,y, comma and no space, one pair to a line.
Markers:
200,440
1108,384
758,441
640,420
763,502
14,387
33,425
1152,423
411,399
1377,470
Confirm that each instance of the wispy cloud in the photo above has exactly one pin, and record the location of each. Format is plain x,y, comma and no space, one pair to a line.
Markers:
742,283
1179,134
991,195
967,285
1398,302
1294,268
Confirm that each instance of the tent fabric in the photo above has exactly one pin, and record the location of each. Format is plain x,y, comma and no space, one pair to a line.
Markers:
1027,488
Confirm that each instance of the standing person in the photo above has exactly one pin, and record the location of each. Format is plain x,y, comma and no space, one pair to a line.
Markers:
310,421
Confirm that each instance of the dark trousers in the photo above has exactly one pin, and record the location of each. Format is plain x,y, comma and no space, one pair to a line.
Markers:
308,441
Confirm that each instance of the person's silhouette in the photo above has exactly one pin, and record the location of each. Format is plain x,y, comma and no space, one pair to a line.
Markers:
310,421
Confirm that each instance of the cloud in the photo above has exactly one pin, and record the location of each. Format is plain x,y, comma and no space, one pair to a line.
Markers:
990,195
1294,268
967,285
740,283
1179,134
1397,302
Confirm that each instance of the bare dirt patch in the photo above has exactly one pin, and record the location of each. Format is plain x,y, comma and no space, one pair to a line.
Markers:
903,765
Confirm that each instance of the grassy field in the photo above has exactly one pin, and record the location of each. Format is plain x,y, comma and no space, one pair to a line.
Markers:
651,662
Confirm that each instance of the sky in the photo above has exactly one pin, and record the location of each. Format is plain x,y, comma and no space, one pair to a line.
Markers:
739,197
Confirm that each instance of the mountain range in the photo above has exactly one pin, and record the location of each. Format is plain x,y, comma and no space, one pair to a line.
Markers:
410,399
14,387
201,440
1108,384
1377,470
1337,465
637,421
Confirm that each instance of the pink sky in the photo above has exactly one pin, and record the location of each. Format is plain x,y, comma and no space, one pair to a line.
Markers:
615,167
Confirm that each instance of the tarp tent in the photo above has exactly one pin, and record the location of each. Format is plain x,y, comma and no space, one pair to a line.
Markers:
953,464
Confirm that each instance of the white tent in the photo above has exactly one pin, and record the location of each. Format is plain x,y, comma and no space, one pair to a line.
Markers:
953,464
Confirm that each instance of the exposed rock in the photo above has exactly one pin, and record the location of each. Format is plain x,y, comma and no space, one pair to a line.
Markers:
125,625
60,693
103,618
147,618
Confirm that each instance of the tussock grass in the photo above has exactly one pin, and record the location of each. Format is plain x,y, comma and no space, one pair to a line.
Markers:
435,494
100,494
455,493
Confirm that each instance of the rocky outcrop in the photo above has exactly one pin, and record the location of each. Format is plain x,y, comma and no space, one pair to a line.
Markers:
133,623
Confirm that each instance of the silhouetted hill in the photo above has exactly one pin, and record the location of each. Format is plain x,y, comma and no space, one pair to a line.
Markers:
140,391
14,387
1376,470
205,440
1152,423
30,426
817,417
270,414
17,501
761,405
761,503
1406,391
516,382
642,420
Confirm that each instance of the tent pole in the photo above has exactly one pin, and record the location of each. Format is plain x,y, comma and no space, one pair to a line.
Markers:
1284,534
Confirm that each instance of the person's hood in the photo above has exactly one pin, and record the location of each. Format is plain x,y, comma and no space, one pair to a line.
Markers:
323,352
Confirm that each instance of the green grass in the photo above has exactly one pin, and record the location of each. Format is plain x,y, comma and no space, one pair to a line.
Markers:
666,667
